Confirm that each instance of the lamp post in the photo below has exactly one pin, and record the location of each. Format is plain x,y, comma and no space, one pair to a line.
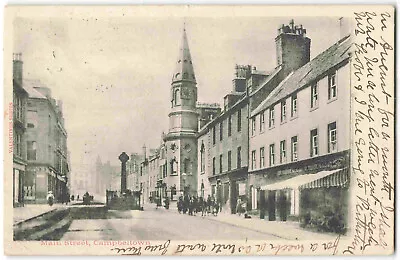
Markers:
123,158
219,191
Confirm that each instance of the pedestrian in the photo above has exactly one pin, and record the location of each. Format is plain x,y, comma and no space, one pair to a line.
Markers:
190,206
67,198
166,201
209,204
216,208
186,202
50,198
195,205
180,204
204,208
200,205
239,206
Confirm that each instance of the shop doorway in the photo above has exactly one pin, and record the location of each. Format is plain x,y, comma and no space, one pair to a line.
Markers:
283,205
234,191
271,205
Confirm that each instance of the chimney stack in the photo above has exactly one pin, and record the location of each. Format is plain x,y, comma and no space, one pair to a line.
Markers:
242,72
17,67
144,152
292,47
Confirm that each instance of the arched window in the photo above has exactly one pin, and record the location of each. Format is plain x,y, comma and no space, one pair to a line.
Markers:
202,158
177,97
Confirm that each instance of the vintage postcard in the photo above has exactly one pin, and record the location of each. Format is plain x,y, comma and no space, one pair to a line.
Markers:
199,130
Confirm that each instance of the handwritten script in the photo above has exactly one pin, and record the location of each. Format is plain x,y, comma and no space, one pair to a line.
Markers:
234,248
373,133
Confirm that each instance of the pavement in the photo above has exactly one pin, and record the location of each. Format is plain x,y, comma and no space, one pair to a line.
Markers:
289,230
30,211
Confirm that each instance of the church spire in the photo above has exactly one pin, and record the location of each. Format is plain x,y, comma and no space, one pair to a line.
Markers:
184,66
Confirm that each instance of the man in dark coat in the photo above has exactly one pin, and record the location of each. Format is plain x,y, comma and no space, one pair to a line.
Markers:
186,202
209,204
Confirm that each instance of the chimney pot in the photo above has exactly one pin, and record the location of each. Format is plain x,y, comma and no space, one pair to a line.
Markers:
17,66
294,49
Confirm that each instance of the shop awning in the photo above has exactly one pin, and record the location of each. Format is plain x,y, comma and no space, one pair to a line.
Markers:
340,178
301,181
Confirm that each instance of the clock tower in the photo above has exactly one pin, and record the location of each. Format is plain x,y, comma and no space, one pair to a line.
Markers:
181,144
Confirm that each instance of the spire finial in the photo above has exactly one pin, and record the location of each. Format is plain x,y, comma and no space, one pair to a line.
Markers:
184,23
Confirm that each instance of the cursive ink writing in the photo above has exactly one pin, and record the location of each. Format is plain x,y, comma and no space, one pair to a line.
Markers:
373,124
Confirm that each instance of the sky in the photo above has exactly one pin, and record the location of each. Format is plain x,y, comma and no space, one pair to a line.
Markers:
113,73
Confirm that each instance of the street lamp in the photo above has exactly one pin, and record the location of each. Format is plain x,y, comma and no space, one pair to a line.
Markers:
219,191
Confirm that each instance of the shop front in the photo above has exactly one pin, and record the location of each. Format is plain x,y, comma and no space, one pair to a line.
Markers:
297,197
220,189
228,188
313,192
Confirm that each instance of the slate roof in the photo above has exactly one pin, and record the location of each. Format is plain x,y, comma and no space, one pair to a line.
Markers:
326,60
270,76
29,86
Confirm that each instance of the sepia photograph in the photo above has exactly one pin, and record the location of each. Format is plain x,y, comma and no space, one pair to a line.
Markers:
176,131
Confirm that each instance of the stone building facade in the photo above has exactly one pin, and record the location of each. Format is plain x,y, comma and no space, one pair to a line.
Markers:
46,144
223,147
300,139
133,171
18,116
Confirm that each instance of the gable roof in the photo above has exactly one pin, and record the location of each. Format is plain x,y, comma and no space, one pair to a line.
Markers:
29,86
326,60
222,114
269,78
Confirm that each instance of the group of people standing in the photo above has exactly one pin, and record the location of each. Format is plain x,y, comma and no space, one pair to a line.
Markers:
193,205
